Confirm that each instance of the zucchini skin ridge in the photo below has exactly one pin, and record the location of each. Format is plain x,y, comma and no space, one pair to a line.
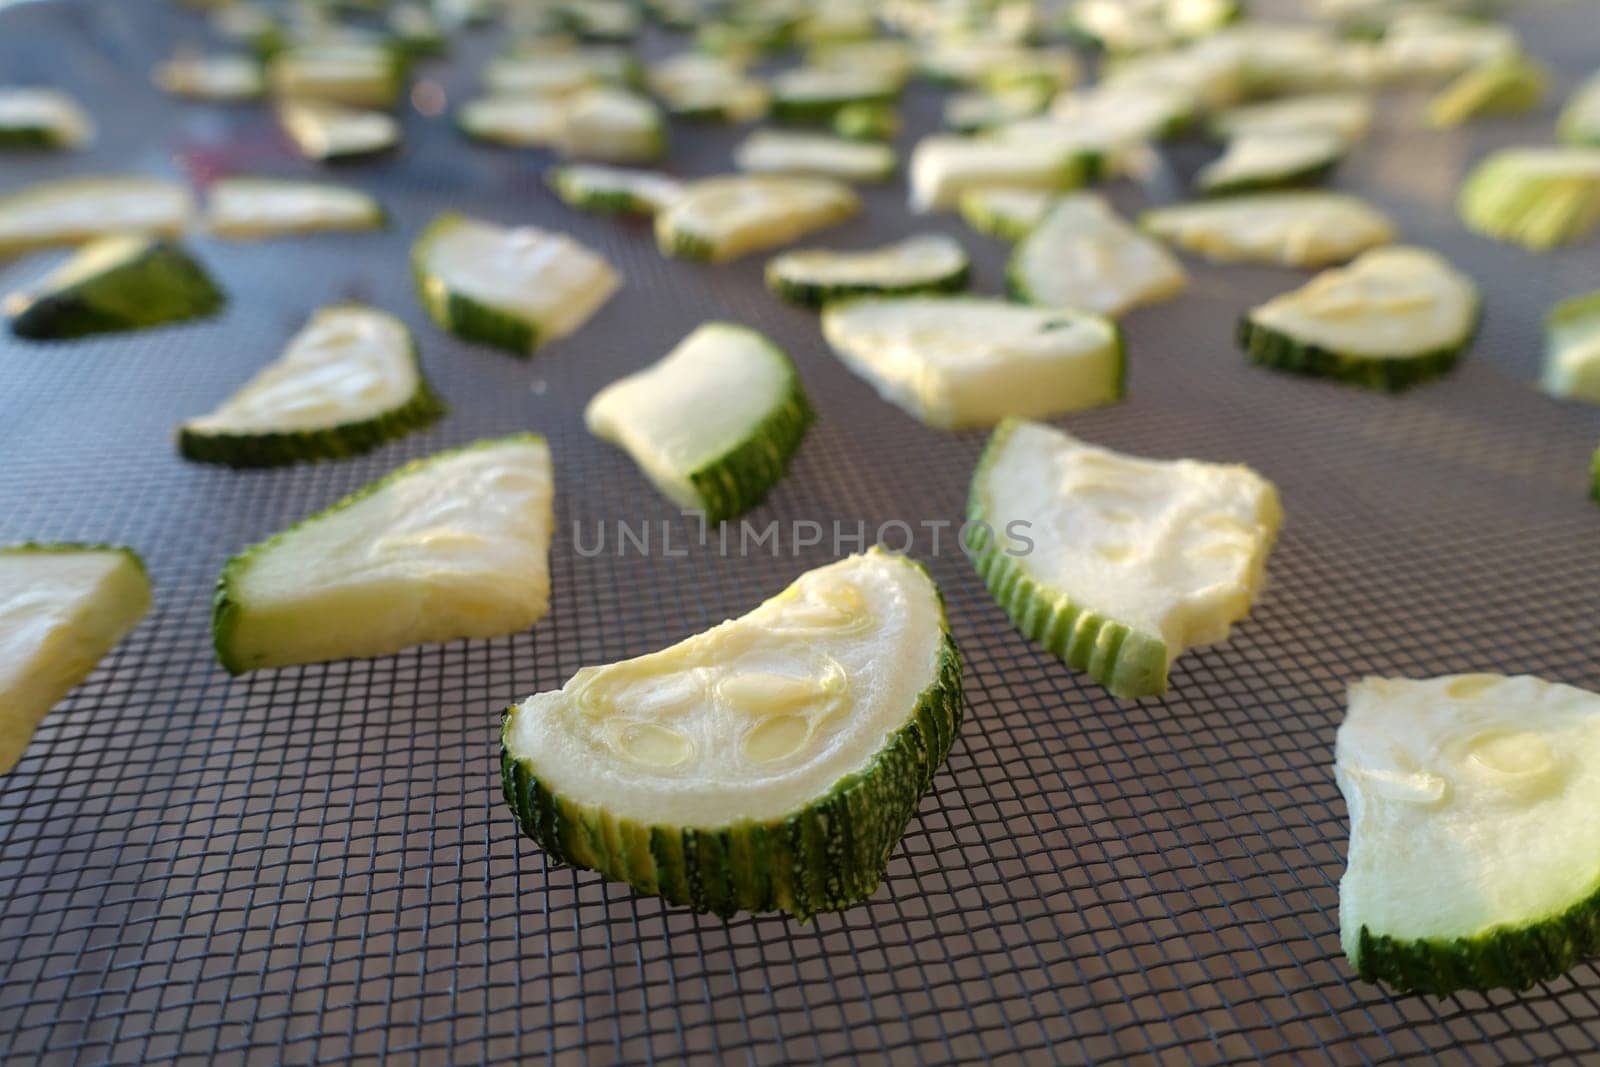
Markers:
1277,350
281,448
163,285
466,318
740,478
815,295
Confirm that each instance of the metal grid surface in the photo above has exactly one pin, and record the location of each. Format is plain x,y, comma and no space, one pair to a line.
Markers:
315,864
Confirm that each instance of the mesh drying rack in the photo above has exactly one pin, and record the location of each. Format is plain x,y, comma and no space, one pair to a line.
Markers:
315,864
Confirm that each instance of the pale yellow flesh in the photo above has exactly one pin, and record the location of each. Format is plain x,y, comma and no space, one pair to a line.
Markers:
80,209
738,215
611,125
322,131
1296,229
782,152
1084,256
262,207
516,121
945,167
220,78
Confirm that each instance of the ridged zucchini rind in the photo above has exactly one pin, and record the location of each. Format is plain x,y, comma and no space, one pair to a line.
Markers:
927,263
1283,352
112,285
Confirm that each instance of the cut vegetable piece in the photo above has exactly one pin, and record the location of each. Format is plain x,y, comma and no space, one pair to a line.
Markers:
1295,229
416,30
891,57
943,168
1115,563
867,122
453,546
613,190
977,111
328,133
515,289
346,73
1114,114
929,263
811,94
712,424
127,282
346,383
975,61
1572,349
1271,160
1474,855
1005,213
612,126
515,121
722,218
1392,318
62,608
42,118
953,362
1427,45
1084,256
770,763
264,207
1347,115
1580,118
75,210
696,86
1504,87
221,78
781,152
1535,197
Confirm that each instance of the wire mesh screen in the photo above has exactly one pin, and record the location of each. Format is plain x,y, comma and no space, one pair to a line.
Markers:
316,864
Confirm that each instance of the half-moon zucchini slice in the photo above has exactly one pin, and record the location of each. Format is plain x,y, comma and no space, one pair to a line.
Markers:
218,78
813,94
266,207
1256,161
945,167
1004,212
74,210
924,263
611,125
722,218
358,74
42,118
1536,197
1084,256
608,190
513,120
1294,229
783,152
127,282
330,133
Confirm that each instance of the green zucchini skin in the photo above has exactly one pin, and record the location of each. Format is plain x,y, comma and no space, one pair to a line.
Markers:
1130,663
161,284
1270,348
815,295
680,244
1594,476
28,137
827,856
250,450
468,319
740,478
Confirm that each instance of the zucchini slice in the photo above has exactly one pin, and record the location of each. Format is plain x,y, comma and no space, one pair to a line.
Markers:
42,118
514,121
357,74
1429,46
328,133
71,211
782,152
1390,319
1345,114
722,218
1572,349
218,78
1084,256
1535,197
513,288
893,58
346,383
1506,86
814,94
867,122
1272,160
692,85
925,263
607,190
1114,114
266,207
1473,844
1579,123
1293,229
62,608
611,126
770,763
1003,212
712,424
452,546
974,112
954,362
125,282
1116,563
945,167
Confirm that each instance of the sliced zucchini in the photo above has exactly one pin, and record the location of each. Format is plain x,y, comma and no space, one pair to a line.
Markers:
1272,160
515,121
1580,118
74,210
867,122
974,112
1115,563
42,118
1003,212
1473,846
547,76
954,362
613,190
265,207
220,78
416,30
346,73
1294,229
1572,349
124,282
722,218
976,61
893,58
346,383
712,424
513,288
770,763
1347,115
328,133
692,85
945,167
925,263
1084,256
1429,46
815,94
62,608
612,126
1390,319
452,546
1535,197
1115,114
782,152
1506,86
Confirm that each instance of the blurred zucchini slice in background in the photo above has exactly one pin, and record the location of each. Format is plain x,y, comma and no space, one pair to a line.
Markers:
329,133
923,263
944,167
33,117
607,190
1083,255
867,122
814,94
1294,229
1535,197
247,207
513,120
783,152
1572,349
218,78
74,210
1506,86
1004,212
1345,114
124,282
1579,123
693,85
356,74
611,125
1252,162
722,218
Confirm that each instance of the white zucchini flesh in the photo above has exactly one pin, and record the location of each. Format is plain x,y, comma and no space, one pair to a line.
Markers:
954,362
347,73
803,86
611,125
781,152
545,76
76,210
1572,350
1436,46
1114,114
584,184
1349,115
221,77
47,114
1254,160
62,608
1084,256
944,167
517,121
972,111
261,207
694,83
725,217
1295,229
1005,212
328,131
892,58
919,260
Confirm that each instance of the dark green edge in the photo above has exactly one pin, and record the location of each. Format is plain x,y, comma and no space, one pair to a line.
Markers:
461,315
1128,662
30,137
1272,348
225,607
814,295
1312,175
160,284
827,856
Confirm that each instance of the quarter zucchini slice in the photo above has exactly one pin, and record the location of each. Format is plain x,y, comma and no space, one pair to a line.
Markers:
722,218
1293,229
780,152
219,78
453,546
954,362
127,282
1474,855
329,133
612,126
1392,318
513,120
1271,160
1084,256
814,94
1003,212
513,288
946,167
769,763
1580,118
348,382
713,423
42,118
74,210
1536,197
1572,349
926,263
1115,563
62,608
267,207
608,190
1505,86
